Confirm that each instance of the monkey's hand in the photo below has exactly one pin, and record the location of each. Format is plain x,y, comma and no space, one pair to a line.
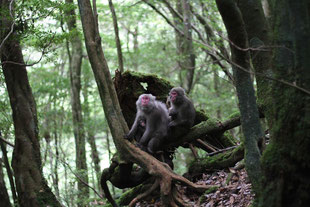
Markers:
142,147
128,137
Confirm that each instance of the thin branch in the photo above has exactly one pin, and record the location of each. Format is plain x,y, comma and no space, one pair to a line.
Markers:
206,145
12,26
6,142
197,187
77,176
36,62
221,150
202,42
166,18
214,57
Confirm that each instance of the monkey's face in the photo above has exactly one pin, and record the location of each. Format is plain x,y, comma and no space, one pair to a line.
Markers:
145,100
146,103
173,96
142,123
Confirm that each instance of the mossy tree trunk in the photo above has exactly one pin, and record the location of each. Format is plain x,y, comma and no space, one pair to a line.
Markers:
31,186
258,32
250,122
286,161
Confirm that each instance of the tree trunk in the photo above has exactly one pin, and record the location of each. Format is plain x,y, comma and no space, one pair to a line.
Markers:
189,55
135,34
286,160
91,134
31,186
8,169
75,62
246,95
5,200
117,40
184,42
259,39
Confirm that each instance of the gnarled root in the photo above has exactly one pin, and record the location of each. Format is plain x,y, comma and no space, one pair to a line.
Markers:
145,194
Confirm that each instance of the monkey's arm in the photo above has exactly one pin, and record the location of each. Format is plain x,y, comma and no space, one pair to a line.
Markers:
133,129
172,112
185,116
178,122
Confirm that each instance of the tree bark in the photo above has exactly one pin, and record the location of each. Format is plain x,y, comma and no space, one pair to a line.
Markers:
184,43
286,159
8,169
117,39
5,200
75,62
261,53
31,186
91,134
189,55
246,95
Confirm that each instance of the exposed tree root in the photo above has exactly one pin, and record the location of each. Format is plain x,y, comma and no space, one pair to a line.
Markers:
178,198
145,194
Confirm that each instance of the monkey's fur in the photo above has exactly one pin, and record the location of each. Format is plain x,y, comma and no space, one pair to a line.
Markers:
181,112
156,118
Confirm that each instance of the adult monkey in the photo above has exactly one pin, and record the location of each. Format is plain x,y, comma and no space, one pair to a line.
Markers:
181,112
156,118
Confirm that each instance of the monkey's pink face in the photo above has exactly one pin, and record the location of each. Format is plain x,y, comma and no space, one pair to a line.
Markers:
173,96
145,100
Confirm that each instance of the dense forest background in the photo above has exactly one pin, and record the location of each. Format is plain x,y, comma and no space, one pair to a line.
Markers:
242,63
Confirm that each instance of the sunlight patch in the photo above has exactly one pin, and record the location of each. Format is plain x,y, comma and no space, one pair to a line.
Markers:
144,85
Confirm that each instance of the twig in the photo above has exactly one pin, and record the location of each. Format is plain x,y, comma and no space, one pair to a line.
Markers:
202,42
12,26
221,150
77,176
6,142
206,145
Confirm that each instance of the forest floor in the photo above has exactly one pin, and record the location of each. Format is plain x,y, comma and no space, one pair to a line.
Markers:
235,191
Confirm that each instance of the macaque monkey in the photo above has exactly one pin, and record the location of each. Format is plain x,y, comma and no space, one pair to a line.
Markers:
181,112
156,119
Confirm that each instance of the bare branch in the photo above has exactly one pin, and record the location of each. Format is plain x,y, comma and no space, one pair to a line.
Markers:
77,176
12,26
6,142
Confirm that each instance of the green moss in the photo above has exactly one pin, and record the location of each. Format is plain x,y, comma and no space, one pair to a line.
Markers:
201,116
212,122
145,76
234,115
218,161
228,139
229,176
